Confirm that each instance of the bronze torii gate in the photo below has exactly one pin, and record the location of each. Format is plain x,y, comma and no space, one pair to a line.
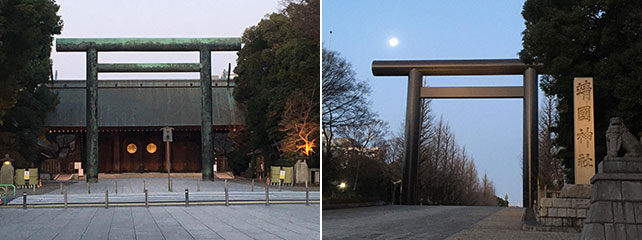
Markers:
204,46
416,69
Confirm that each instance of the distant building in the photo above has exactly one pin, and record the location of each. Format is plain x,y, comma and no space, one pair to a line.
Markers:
350,145
224,76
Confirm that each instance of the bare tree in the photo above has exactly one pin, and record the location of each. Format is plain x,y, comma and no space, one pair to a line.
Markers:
447,174
364,141
344,99
362,155
487,192
357,152
550,168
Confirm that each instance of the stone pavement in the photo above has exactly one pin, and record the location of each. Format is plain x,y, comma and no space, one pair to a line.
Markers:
194,222
430,222
401,222
507,224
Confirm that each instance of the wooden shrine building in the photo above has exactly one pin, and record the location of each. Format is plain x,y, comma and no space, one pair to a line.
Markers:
131,115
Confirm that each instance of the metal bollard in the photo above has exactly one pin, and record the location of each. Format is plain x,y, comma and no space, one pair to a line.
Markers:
171,182
88,188
267,195
116,186
144,185
307,194
252,184
198,185
146,200
65,199
61,188
186,197
279,185
24,200
227,200
33,188
106,198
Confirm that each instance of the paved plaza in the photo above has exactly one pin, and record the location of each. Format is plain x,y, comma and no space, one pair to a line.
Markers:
246,221
430,222
292,221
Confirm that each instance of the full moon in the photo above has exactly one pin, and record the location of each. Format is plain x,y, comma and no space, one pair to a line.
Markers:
393,42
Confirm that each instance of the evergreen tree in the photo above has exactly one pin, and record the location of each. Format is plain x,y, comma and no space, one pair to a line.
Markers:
26,33
277,67
588,38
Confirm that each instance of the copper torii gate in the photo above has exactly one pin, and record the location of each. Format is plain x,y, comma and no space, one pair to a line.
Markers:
416,69
204,46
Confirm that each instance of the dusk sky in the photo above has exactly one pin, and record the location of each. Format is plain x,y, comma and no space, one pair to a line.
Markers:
490,129
154,18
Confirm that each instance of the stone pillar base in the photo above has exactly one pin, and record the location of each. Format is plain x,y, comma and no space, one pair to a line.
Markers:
616,207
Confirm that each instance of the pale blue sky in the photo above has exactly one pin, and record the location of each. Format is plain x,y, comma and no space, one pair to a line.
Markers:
154,18
490,129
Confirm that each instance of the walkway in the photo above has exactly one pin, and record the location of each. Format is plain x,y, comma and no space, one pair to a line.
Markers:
194,222
507,224
430,222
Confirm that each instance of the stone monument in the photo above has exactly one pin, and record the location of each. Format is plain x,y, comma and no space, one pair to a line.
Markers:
616,202
6,171
302,172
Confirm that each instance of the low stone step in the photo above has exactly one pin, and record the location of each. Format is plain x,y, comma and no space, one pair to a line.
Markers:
164,197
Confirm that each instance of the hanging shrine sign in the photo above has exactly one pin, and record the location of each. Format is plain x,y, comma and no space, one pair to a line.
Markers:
584,130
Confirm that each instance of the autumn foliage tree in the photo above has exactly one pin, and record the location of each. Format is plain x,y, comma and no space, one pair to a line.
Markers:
301,124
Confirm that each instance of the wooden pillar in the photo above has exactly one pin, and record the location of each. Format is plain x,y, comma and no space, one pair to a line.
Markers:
116,150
